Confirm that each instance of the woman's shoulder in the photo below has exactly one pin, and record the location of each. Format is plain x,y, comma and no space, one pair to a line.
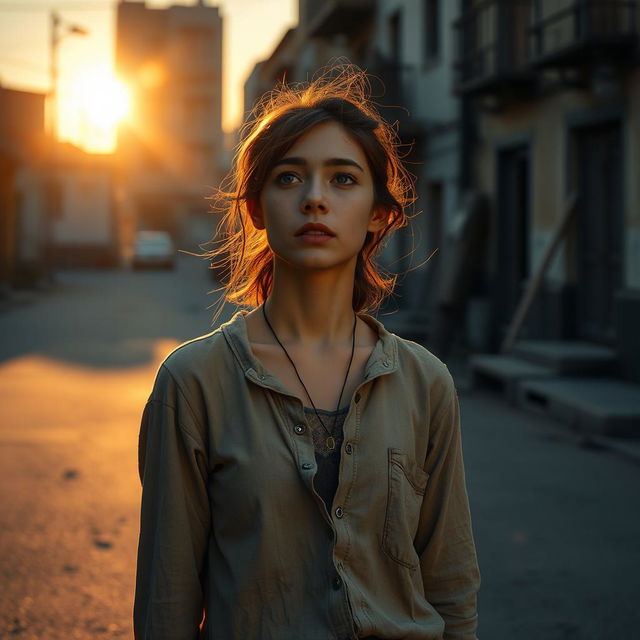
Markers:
420,355
417,362
195,353
413,361
193,371
200,363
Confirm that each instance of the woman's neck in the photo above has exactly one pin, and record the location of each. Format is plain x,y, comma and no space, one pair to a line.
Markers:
316,309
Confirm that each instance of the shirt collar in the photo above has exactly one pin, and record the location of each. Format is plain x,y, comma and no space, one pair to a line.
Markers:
383,359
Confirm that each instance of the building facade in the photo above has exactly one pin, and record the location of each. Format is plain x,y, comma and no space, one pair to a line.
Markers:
23,188
86,228
171,150
556,87
412,52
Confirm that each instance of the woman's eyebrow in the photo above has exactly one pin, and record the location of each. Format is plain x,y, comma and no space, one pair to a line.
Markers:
330,162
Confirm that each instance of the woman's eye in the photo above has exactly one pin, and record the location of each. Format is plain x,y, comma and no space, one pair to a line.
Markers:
344,179
287,178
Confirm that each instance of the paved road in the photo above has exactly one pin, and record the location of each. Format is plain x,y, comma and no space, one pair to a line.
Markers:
557,526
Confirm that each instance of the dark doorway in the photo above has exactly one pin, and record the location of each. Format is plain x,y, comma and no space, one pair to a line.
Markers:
395,37
512,238
434,216
599,269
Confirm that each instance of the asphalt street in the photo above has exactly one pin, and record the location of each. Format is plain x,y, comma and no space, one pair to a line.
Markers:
557,525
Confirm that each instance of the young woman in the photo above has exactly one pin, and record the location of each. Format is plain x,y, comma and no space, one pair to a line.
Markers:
301,466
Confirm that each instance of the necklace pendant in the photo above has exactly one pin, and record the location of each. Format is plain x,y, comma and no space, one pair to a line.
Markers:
331,443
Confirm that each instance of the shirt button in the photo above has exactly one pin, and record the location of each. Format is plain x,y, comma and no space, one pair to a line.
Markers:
357,398
339,512
299,429
307,465
337,582
385,363
262,377
348,448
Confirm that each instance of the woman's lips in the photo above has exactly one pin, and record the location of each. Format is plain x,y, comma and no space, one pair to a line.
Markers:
314,227
314,237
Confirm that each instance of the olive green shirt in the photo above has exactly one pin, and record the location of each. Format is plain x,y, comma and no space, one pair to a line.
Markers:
235,543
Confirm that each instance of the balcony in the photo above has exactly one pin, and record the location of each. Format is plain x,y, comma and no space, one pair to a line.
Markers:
326,18
502,44
586,31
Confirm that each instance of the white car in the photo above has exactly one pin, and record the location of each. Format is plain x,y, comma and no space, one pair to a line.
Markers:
153,249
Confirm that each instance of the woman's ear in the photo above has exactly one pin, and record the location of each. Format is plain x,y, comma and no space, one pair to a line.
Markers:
379,219
255,213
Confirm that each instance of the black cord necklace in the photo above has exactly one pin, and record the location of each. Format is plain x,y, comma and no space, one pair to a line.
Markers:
330,441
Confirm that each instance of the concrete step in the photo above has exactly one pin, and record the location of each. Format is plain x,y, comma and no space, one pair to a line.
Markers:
504,373
599,406
566,357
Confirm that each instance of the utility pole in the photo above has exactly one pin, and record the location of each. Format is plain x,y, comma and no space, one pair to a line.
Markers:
56,35
54,42
57,25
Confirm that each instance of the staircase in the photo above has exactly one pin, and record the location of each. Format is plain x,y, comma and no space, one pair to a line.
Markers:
573,382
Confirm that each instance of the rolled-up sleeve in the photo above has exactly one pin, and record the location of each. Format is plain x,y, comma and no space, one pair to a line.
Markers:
445,540
174,520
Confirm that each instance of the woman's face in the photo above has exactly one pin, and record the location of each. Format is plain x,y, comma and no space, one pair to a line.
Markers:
317,202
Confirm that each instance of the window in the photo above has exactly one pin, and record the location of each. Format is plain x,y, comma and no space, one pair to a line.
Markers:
395,37
431,29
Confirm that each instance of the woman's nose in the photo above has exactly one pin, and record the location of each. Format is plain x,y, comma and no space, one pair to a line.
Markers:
314,200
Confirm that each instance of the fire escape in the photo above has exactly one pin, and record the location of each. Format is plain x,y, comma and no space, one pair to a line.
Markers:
516,49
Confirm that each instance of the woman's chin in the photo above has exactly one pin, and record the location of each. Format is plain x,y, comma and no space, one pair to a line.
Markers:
315,261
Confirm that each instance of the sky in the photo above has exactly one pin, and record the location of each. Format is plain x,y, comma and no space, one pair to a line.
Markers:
252,28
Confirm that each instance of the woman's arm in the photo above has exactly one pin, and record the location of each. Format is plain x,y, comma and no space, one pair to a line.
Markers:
445,541
174,521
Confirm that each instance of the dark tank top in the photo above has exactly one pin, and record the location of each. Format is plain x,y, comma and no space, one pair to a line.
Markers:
325,481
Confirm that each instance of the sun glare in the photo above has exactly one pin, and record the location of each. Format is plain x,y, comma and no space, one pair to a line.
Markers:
101,102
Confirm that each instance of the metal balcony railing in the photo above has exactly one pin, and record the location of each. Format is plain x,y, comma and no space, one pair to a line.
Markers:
499,40
583,23
493,40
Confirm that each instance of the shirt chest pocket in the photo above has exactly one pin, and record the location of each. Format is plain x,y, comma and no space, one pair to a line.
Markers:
407,486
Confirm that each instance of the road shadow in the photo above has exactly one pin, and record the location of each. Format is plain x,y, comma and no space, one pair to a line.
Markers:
112,319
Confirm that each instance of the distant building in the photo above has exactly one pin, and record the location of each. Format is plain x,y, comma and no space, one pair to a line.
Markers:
86,227
279,67
23,208
557,96
413,53
326,30
171,151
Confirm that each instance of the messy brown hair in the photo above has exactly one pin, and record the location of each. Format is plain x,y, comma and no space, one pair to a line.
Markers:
240,252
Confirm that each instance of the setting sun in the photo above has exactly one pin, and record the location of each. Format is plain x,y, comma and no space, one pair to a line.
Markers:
100,102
